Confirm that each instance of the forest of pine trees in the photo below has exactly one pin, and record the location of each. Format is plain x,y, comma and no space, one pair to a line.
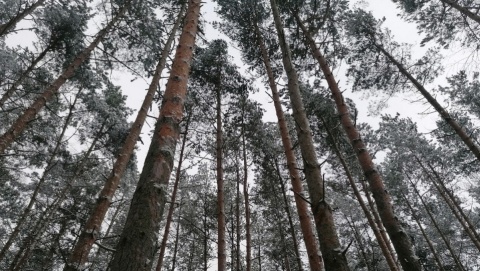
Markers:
197,176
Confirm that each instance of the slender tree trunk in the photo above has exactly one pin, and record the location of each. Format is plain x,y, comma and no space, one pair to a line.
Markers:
360,246
449,199
163,245
333,255
33,198
247,203
400,239
302,208
289,216
11,90
92,227
29,114
435,104
237,218
260,254
425,235
463,10
10,25
177,234
387,252
457,261
137,242
222,256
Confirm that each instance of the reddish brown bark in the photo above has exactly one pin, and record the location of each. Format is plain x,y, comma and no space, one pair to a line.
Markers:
467,140
93,225
296,180
387,253
399,238
10,25
137,242
20,124
163,245
333,256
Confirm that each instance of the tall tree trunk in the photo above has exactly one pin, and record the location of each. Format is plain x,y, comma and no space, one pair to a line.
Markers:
50,164
289,216
10,25
163,245
360,246
177,234
136,246
425,235
449,199
306,226
463,10
11,90
29,114
387,252
400,239
435,104
457,261
332,253
92,227
237,218
221,249
247,203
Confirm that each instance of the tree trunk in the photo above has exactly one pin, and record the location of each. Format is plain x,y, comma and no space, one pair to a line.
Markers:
237,218
360,246
400,239
296,180
137,242
177,234
458,263
332,253
163,245
11,90
93,225
221,250
435,104
247,203
10,25
425,236
289,216
387,253
29,114
50,164
462,10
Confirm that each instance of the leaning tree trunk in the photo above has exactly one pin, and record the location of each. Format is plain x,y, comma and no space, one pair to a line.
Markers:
10,25
92,227
333,256
296,180
163,245
136,246
387,253
467,140
33,198
465,11
401,241
29,114
425,235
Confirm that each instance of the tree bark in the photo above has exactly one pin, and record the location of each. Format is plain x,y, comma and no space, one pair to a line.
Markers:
296,180
177,234
387,253
50,164
163,245
332,253
425,235
467,140
92,227
221,250
237,218
247,203
10,25
29,114
400,239
136,246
